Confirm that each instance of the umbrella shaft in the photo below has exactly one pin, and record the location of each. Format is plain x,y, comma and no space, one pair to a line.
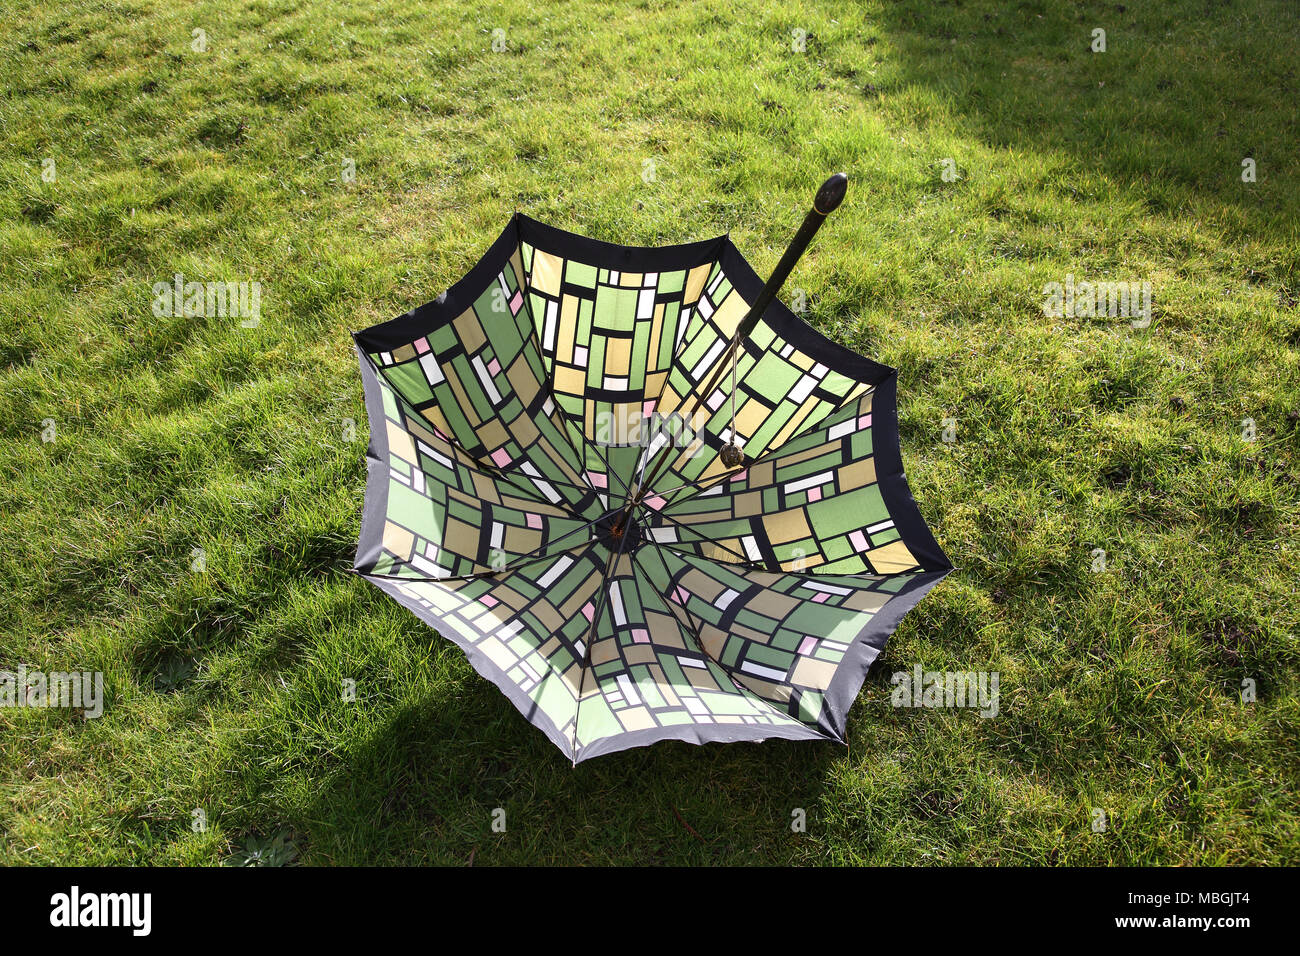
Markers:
811,223
826,201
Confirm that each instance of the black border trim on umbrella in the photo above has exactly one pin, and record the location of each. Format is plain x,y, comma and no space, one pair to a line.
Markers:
607,255
903,508
611,255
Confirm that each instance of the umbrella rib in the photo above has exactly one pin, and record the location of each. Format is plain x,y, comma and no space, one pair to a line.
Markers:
690,626
700,396
518,560
556,481
609,469
492,470
686,527
586,657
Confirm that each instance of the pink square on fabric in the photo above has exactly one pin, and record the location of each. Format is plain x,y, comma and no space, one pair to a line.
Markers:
494,367
534,521
648,406
488,600
681,595
501,457
814,494
597,480
808,646
641,635
740,475
588,611
656,502
865,421
516,302
820,597
859,541
421,345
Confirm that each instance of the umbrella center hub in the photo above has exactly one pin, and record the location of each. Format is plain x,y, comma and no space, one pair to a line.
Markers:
619,532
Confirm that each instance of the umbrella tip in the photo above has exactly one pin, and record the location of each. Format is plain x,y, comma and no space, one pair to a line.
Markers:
831,194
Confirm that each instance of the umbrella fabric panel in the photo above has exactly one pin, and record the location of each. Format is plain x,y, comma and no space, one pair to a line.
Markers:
788,376
433,511
609,324
608,336
524,629
477,377
650,679
801,642
813,504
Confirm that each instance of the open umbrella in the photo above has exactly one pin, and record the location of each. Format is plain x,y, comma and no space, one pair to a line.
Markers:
646,499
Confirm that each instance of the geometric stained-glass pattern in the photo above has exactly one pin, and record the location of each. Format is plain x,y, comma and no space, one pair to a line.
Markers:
511,418
812,505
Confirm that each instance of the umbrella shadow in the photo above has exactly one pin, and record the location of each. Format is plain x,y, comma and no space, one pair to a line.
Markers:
460,777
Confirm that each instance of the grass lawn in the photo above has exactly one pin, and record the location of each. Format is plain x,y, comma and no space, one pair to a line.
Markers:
991,152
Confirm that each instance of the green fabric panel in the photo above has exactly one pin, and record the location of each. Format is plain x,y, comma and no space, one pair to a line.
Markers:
580,274
615,308
409,381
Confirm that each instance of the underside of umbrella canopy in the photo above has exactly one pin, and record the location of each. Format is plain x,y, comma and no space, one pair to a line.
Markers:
512,421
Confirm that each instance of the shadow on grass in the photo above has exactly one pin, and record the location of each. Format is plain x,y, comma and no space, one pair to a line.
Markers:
1169,110
423,786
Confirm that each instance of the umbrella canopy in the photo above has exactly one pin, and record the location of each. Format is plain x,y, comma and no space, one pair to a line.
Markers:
548,489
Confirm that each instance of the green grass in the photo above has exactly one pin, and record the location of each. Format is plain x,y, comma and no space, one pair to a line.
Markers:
1120,690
